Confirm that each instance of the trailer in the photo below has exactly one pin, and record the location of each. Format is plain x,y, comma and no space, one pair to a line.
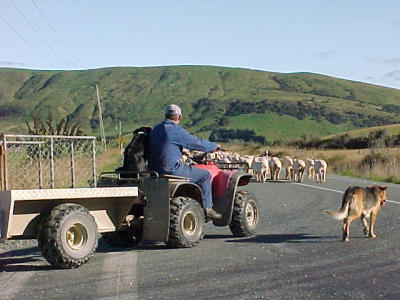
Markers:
59,202
66,222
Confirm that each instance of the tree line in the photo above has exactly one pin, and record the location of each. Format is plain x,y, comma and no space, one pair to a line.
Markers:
302,110
229,135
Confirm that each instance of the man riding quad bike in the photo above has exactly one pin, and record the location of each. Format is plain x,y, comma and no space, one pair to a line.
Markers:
181,197
170,208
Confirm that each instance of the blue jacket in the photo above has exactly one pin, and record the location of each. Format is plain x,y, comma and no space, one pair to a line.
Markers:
165,146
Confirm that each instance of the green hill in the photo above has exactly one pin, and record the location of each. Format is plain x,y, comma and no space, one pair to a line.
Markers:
272,105
363,132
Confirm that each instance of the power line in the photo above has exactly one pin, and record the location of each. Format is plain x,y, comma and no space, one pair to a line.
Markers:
33,48
59,37
37,32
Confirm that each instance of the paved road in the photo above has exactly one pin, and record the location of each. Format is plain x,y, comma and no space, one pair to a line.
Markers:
297,254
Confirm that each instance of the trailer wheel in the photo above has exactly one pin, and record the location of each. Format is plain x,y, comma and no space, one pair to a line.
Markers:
186,222
68,236
245,215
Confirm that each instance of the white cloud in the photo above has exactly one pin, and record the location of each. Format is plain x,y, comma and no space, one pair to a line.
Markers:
387,61
11,64
370,79
326,54
395,75
392,61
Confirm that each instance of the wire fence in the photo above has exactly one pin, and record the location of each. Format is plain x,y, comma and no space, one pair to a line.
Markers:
47,161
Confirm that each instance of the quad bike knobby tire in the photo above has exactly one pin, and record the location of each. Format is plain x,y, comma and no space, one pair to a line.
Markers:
244,215
68,236
186,222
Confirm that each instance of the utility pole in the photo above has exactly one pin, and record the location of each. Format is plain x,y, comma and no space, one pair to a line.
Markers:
120,139
102,135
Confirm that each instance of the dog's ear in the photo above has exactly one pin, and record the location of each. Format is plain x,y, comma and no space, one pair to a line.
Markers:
374,188
137,130
383,188
142,129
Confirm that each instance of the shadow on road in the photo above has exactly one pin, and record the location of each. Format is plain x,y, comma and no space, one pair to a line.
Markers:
273,181
103,247
217,236
23,260
20,252
285,238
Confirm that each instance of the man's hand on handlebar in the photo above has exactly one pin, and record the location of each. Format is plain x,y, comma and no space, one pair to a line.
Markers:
186,152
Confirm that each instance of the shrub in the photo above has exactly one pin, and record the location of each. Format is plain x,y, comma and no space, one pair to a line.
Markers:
227,135
370,160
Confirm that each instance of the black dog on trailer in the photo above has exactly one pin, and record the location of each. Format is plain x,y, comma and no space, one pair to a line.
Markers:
135,154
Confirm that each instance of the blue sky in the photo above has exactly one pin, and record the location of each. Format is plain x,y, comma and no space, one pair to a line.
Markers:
356,40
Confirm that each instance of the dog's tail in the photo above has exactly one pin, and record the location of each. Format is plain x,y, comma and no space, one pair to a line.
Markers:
344,210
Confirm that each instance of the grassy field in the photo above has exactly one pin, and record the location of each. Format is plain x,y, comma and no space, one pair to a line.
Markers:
284,128
393,129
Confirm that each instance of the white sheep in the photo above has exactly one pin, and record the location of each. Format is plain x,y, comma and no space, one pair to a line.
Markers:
310,168
248,159
260,168
288,166
275,167
320,167
299,167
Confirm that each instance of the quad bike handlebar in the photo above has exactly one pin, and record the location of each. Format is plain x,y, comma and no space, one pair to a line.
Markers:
201,159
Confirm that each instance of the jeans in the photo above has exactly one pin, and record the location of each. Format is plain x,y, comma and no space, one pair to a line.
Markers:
198,176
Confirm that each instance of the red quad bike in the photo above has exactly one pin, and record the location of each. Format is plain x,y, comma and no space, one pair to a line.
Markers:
170,208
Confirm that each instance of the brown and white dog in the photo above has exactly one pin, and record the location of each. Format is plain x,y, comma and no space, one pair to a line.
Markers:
360,202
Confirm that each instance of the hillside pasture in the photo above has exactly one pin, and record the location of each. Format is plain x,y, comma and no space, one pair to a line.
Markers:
210,97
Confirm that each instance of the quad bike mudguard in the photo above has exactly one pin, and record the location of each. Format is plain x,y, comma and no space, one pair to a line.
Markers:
224,186
158,192
224,203
156,210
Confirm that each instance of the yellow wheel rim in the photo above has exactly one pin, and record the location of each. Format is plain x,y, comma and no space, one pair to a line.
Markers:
76,236
189,224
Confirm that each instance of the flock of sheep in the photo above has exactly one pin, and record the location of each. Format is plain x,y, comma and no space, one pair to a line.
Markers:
263,166
294,168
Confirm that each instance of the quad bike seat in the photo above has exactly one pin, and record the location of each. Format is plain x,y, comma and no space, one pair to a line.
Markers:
174,177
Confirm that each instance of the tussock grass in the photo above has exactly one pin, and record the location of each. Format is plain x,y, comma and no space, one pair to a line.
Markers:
109,160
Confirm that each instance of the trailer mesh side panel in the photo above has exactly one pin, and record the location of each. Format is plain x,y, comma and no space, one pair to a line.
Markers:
31,162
